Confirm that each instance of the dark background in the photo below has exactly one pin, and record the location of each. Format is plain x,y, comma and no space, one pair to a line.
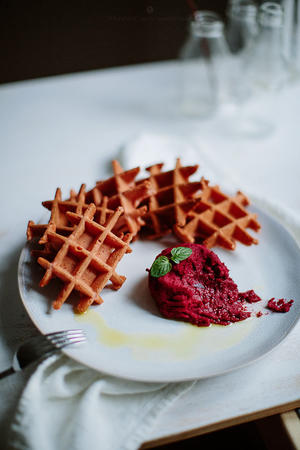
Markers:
44,37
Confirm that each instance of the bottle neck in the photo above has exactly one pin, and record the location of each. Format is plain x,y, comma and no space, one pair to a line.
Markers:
207,24
270,15
243,12
270,21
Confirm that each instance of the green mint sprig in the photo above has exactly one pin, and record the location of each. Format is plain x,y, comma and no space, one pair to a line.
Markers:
180,253
162,265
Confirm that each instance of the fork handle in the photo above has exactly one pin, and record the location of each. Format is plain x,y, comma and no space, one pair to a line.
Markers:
6,373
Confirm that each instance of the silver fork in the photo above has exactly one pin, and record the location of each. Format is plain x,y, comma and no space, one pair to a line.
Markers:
41,346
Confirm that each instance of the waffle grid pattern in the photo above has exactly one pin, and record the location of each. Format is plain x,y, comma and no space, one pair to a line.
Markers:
86,259
172,198
122,190
59,221
219,220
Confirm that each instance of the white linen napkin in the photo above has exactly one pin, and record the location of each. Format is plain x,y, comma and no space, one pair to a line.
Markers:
66,405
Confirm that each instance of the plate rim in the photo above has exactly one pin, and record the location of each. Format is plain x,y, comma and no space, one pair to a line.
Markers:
72,354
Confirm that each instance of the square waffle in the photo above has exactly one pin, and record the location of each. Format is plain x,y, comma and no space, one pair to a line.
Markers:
173,196
59,220
86,259
219,220
122,190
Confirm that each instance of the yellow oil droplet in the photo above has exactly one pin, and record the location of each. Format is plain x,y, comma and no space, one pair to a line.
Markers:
187,342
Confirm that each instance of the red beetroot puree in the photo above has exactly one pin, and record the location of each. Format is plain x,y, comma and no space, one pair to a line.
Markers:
199,290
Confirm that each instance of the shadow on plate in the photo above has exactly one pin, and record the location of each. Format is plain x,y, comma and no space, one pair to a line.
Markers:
140,295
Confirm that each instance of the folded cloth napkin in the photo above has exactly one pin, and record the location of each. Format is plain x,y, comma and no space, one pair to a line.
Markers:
66,405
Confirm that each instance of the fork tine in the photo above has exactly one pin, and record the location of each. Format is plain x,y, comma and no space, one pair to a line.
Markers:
42,346
64,332
76,341
54,338
60,341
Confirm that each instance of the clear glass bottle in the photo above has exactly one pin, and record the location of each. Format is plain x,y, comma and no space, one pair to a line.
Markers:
241,24
264,63
296,37
291,35
204,65
263,71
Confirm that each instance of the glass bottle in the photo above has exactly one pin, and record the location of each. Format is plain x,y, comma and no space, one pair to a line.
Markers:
263,71
263,66
204,65
291,34
296,37
271,65
241,24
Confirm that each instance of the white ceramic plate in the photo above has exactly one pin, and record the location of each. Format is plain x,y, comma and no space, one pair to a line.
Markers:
128,338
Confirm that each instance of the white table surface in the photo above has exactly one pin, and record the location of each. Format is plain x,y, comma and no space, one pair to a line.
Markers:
62,131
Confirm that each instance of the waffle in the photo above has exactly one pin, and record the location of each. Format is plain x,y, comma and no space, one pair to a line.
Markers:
86,259
219,220
122,190
120,182
59,220
172,198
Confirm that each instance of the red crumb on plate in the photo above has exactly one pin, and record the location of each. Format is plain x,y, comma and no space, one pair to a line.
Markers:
249,296
281,305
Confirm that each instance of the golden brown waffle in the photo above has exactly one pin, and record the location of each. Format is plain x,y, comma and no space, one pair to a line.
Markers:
86,259
59,220
171,200
121,181
122,190
219,220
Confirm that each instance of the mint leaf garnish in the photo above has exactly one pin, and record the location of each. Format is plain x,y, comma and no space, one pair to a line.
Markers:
160,267
180,253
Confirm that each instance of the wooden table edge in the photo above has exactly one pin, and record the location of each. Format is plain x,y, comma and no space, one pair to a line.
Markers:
237,420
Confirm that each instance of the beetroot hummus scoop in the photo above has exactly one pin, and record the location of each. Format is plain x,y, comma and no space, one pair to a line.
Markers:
190,283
